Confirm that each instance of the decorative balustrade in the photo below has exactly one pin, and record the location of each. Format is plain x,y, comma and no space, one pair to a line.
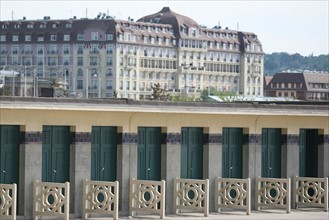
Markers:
51,199
8,201
147,197
100,197
233,193
191,194
273,193
311,192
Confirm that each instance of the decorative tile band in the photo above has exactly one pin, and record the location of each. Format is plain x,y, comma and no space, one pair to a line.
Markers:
129,138
31,137
173,138
293,139
81,137
253,139
212,138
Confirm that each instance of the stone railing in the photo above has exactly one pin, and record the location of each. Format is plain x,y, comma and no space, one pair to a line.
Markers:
311,192
272,193
233,193
100,198
191,194
8,201
51,199
147,197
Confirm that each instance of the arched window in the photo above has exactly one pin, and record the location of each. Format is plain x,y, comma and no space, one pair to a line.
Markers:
80,72
109,72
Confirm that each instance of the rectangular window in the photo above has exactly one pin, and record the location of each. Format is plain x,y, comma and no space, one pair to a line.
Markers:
68,25
66,37
94,35
40,38
80,37
66,49
27,49
109,85
145,40
109,36
80,61
79,84
2,38
15,37
53,37
28,37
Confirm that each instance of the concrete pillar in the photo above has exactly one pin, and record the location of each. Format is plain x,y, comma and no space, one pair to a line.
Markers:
30,169
80,169
290,157
170,169
126,168
323,155
252,161
212,164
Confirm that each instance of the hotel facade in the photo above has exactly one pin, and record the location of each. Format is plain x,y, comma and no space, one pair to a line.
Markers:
97,58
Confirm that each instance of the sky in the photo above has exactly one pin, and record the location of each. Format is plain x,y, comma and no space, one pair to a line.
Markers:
297,26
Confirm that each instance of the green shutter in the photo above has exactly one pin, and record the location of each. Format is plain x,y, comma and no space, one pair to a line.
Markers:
9,154
104,153
232,153
56,153
149,153
271,152
192,153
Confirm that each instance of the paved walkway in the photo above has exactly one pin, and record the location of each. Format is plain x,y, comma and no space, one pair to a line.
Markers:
315,214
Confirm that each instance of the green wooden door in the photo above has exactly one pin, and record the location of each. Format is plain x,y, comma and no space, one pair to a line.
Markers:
104,153
232,152
56,154
308,152
9,154
192,153
149,153
271,152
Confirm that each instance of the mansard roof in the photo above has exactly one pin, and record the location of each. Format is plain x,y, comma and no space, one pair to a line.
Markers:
167,16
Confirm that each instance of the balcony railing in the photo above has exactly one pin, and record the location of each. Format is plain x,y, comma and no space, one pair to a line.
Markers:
110,194
153,190
51,199
8,194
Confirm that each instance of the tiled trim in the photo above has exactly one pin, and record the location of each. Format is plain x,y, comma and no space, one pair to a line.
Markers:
129,138
293,139
81,137
253,139
30,137
213,138
173,138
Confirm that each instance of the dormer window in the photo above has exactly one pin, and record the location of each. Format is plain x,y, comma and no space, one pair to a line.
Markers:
4,26
42,25
68,25
29,26
94,35
55,25
16,26
193,32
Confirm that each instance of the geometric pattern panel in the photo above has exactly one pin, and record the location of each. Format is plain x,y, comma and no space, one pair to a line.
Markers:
273,193
233,193
51,199
8,201
311,192
147,197
100,197
191,194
